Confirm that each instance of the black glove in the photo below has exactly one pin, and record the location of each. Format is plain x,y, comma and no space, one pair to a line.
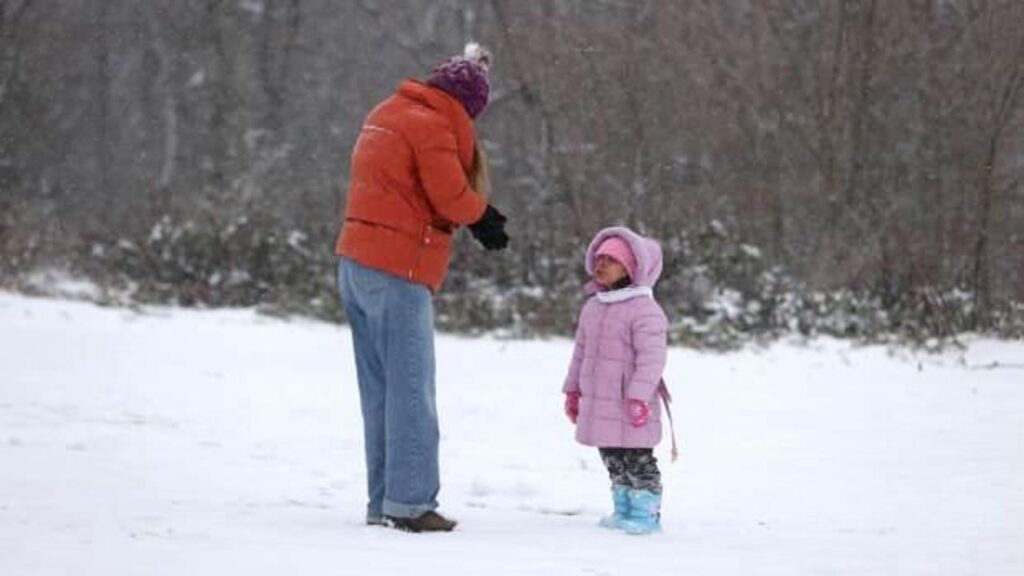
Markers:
489,230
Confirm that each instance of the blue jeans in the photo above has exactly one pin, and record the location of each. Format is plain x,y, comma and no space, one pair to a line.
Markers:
392,322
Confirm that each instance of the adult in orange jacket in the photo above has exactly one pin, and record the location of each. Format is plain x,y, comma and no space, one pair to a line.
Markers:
411,186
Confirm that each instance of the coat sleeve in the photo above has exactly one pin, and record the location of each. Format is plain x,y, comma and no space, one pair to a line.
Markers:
572,379
650,345
444,180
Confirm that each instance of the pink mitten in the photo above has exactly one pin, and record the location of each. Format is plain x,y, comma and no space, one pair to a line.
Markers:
638,411
572,405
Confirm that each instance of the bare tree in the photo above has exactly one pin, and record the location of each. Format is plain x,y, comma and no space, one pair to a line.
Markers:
864,145
1002,54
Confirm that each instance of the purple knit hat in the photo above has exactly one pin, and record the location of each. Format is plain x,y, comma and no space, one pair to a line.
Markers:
465,78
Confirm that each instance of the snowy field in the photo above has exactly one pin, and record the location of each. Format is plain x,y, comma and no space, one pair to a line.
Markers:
215,443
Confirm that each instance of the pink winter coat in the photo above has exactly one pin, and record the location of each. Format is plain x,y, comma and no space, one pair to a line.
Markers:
621,346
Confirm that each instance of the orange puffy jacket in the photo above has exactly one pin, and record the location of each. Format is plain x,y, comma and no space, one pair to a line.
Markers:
408,188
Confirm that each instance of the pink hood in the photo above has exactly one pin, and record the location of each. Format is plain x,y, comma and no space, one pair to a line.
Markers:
646,251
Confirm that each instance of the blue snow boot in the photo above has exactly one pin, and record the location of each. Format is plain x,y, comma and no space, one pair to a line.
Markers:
644,513
620,498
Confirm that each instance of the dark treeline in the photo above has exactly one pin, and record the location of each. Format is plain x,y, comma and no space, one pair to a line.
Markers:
840,166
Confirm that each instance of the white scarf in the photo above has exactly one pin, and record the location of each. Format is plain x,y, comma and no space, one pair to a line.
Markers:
623,294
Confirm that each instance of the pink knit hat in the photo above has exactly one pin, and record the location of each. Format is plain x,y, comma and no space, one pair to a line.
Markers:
617,248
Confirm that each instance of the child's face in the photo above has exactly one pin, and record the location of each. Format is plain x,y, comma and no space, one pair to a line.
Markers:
608,270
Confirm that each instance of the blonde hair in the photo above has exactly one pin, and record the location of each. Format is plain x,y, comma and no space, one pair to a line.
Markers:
479,174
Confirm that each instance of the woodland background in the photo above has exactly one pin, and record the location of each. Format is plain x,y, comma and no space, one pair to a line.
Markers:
843,167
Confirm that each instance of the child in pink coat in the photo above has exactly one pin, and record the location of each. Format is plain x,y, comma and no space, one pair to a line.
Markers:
615,377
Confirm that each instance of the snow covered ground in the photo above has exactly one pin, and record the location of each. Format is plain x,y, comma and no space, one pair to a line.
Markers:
186,442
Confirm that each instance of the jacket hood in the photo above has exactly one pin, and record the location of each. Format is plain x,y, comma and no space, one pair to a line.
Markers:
647,252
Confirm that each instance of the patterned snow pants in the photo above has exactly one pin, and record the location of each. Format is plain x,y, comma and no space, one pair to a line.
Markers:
633,467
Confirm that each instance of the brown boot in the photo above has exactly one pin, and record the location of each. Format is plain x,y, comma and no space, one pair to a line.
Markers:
427,522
